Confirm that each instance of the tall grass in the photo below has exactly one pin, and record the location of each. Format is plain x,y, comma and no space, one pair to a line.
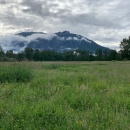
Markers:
15,73
68,96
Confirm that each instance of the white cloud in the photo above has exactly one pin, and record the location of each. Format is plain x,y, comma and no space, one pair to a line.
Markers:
9,42
69,38
35,36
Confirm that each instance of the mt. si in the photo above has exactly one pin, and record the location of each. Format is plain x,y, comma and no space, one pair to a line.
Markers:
61,41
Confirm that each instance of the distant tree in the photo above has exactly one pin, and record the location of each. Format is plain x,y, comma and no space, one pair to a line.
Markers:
69,56
36,55
1,53
99,54
112,54
48,55
10,54
105,55
91,57
84,55
20,56
118,56
29,53
125,48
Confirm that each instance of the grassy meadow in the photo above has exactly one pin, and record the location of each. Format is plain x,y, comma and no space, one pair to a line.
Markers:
65,95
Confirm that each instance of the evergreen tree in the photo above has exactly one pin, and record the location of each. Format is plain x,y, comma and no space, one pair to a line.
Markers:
20,56
105,55
29,53
112,54
10,54
37,55
99,54
1,53
125,48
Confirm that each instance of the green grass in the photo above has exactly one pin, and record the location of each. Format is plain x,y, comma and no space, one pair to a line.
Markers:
67,96
14,73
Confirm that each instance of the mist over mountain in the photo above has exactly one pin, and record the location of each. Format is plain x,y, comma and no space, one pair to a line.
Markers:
60,42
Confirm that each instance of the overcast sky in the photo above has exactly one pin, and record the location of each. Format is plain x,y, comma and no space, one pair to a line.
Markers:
106,22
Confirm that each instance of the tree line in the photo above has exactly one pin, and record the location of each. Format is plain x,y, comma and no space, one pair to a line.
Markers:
50,55
78,55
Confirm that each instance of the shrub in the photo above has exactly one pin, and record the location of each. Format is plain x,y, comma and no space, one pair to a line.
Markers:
15,73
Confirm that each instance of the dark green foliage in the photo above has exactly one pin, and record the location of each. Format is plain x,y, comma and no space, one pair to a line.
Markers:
36,55
99,54
1,53
112,55
10,54
125,48
105,55
20,56
29,53
51,55
15,73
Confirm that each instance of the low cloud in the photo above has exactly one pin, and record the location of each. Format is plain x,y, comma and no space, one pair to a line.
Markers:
9,42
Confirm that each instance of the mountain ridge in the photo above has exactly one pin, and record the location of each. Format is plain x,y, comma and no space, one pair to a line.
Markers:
59,41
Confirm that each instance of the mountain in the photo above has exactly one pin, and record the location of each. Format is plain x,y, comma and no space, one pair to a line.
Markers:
60,41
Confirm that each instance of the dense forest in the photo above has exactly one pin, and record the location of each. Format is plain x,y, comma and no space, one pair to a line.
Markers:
79,55
50,55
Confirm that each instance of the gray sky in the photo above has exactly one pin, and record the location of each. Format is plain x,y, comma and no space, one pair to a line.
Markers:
106,22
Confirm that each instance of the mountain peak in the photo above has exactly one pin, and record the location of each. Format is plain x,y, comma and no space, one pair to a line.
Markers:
66,32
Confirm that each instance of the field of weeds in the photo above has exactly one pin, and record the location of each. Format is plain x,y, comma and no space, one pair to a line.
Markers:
65,96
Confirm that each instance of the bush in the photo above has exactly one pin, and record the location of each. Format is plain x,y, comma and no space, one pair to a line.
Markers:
15,73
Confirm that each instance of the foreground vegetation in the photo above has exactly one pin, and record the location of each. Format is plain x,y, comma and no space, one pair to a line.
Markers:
66,96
